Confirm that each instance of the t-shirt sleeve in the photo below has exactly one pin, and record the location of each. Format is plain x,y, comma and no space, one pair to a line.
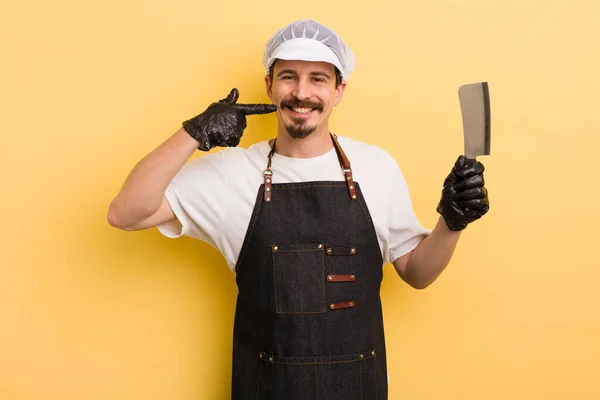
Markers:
404,228
197,196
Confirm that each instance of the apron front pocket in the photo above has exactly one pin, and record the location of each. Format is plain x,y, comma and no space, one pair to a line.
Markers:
299,278
348,377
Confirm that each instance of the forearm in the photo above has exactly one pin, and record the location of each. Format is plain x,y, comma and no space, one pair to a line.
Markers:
143,190
431,256
464,200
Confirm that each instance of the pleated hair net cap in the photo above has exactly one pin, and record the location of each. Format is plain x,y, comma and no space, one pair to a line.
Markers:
308,40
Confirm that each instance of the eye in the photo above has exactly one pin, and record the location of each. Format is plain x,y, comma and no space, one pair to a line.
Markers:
286,77
318,79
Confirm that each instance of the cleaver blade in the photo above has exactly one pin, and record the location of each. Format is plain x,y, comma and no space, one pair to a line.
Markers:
475,107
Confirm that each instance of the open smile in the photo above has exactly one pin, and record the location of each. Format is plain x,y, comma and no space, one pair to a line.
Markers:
300,112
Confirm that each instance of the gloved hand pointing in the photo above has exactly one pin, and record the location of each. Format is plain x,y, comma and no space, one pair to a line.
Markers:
464,197
223,123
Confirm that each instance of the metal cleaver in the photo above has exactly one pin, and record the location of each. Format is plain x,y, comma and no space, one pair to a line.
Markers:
475,107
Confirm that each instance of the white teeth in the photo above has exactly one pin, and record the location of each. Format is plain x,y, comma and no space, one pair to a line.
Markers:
302,110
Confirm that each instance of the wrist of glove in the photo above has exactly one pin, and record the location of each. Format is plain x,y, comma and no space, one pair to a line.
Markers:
223,122
464,196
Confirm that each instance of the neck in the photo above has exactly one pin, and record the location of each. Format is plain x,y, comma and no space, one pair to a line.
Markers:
316,144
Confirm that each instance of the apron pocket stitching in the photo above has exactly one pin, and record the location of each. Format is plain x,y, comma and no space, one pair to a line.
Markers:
318,284
361,391
316,382
319,360
281,367
258,380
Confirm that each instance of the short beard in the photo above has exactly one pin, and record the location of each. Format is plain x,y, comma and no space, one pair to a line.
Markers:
298,130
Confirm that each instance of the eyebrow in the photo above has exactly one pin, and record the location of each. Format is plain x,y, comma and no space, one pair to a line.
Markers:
316,73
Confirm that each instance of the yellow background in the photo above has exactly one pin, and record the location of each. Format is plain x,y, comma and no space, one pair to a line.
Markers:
88,88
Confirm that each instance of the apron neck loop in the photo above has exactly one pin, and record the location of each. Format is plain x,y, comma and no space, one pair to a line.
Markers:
268,174
345,164
343,160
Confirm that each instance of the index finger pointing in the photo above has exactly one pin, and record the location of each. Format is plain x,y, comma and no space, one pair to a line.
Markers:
250,109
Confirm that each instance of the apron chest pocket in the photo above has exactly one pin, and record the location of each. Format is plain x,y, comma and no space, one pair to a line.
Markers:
299,278
347,377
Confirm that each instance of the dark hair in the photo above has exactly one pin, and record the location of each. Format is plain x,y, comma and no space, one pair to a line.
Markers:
338,75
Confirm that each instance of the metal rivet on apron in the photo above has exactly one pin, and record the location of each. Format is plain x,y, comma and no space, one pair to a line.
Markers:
353,251
373,353
260,356
329,252
361,356
354,197
268,189
275,248
268,181
329,277
320,246
348,177
351,304
351,187
268,199
270,358
332,306
353,277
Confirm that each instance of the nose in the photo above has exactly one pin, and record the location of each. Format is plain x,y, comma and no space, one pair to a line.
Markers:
302,91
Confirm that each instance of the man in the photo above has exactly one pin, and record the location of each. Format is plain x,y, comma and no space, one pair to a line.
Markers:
306,221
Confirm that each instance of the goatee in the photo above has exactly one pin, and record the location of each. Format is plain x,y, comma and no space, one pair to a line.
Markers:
298,130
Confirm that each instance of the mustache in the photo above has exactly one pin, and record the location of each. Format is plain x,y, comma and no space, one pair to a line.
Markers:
294,103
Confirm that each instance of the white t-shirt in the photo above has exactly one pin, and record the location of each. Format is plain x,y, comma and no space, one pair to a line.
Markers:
213,196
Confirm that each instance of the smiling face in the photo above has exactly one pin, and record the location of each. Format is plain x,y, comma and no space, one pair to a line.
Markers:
305,94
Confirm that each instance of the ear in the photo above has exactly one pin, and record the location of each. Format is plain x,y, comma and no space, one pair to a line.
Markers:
339,93
269,86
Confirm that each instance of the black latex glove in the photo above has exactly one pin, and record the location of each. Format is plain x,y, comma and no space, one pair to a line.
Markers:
223,123
464,197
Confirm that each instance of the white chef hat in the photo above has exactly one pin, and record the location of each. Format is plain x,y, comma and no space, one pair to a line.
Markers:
308,40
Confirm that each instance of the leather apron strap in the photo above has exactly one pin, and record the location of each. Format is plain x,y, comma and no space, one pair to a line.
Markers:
343,160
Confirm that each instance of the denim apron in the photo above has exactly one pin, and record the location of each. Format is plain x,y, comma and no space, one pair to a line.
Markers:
308,321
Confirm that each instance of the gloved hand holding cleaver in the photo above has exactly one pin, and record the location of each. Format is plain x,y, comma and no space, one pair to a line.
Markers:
464,197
